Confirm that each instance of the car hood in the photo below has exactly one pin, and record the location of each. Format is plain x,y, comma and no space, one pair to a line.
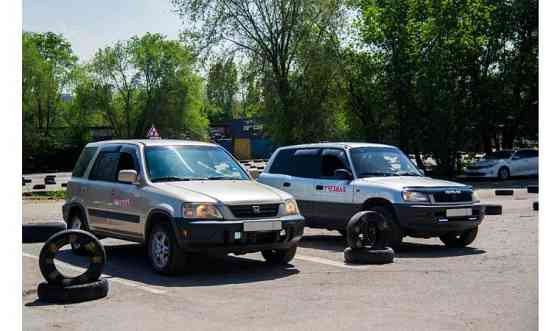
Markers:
224,191
484,162
400,182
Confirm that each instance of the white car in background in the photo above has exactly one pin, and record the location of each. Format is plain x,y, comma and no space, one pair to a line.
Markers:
506,163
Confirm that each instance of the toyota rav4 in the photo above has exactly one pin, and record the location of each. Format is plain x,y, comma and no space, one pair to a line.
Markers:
333,181
178,197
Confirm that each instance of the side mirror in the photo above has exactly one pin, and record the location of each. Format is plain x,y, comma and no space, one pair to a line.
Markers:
128,176
343,174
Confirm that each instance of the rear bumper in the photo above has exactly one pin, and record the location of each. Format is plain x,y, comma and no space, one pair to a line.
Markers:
431,220
220,236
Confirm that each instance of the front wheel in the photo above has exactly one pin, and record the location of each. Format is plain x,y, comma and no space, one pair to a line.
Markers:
164,252
503,173
459,239
279,256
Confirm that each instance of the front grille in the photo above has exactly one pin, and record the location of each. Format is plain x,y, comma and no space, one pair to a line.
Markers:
452,196
255,211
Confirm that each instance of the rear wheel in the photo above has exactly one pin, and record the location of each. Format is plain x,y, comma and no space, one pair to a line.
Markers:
459,239
503,173
164,252
279,256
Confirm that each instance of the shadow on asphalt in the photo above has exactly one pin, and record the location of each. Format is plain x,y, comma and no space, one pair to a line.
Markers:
407,249
129,261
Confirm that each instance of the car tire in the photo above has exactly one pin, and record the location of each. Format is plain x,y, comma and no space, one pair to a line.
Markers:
53,293
493,210
77,222
90,244
536,205
508,192
503,173
369,256
342,232
164,253
458,240
394,233
279,256
40,232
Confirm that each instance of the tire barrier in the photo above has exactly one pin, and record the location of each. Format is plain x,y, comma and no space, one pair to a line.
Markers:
41,232
88,241
493,209
50,181
64,184
59,288
533,189
536,205
53,293
367,235
503,192
39,187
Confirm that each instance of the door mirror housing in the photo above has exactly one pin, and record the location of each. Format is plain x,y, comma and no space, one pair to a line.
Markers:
343,174
128,176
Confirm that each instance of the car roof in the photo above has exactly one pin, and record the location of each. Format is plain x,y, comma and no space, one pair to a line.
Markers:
152,142
337,145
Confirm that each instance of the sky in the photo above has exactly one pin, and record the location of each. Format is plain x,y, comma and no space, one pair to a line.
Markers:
90,25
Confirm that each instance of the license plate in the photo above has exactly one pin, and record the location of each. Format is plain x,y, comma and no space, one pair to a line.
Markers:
458,212
262,226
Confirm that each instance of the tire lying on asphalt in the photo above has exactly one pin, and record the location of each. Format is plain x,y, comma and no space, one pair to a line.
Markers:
92,246
40,232
39,187
536,205
532,188
493,210
369,256
55,293
503,192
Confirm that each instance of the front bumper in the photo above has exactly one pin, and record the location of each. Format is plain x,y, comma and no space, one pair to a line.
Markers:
220,236
484,172
431,220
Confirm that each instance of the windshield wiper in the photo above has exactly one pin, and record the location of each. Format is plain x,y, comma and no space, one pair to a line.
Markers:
170,179
407,173
375,174
222,178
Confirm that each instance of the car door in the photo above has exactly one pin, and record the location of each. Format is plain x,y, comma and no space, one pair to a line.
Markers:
533,162
102,178
332,197
520,163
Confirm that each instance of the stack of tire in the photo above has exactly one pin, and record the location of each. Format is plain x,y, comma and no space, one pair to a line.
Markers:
367,234
58,287
534,189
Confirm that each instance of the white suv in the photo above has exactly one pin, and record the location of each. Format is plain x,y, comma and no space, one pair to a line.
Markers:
333,181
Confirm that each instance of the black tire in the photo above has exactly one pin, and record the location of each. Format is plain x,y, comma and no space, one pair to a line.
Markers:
364,229
503,173
536,205
461,239
39,187
503,192
342,232
53,293
493,210
40,232
279,256
176,261
96,253
50,181
369,256
533,189
77,221
393,233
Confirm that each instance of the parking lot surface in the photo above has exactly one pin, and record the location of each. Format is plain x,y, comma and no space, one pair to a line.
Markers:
491,285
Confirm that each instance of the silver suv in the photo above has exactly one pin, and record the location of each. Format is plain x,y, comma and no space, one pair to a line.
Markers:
333,181
179,197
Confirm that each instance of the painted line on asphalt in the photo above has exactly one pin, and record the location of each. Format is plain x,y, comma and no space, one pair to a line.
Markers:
122,281
329,262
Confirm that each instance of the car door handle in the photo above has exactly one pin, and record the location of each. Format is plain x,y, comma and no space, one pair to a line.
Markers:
286,184
319,187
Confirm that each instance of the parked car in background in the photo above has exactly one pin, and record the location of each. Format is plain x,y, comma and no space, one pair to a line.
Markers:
333,181
506,163
179,197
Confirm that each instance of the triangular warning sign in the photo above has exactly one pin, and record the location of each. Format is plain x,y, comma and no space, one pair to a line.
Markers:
153,133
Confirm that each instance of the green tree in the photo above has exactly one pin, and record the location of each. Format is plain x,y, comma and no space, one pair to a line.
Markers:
221,88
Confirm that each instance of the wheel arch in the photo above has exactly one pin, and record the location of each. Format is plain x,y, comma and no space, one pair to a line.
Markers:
155,216
73,208
380,202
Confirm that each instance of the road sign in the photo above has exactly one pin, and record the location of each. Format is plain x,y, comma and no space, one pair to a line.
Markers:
153,133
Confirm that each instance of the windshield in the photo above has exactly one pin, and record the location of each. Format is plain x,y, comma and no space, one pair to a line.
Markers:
498,155
178,163
382,161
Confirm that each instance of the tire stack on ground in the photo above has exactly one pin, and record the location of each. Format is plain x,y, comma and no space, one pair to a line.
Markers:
60,288
367,234
534,189
50,180
501,192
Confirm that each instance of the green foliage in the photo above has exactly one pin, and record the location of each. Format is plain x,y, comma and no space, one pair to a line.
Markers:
221,88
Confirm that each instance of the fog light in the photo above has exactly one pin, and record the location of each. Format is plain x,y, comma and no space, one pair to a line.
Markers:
282,232
237,235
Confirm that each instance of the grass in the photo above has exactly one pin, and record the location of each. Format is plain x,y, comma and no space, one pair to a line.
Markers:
46,194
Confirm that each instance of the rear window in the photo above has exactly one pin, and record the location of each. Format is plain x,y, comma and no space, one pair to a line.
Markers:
83,161
307,163
282,162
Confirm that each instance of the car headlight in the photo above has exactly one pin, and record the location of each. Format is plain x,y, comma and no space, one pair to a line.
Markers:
291,208
413,196
201,211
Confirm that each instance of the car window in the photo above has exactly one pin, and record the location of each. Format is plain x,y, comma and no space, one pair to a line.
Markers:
527,153
331,160
105,167
499,155
282,163
83,161
127,161
306,163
